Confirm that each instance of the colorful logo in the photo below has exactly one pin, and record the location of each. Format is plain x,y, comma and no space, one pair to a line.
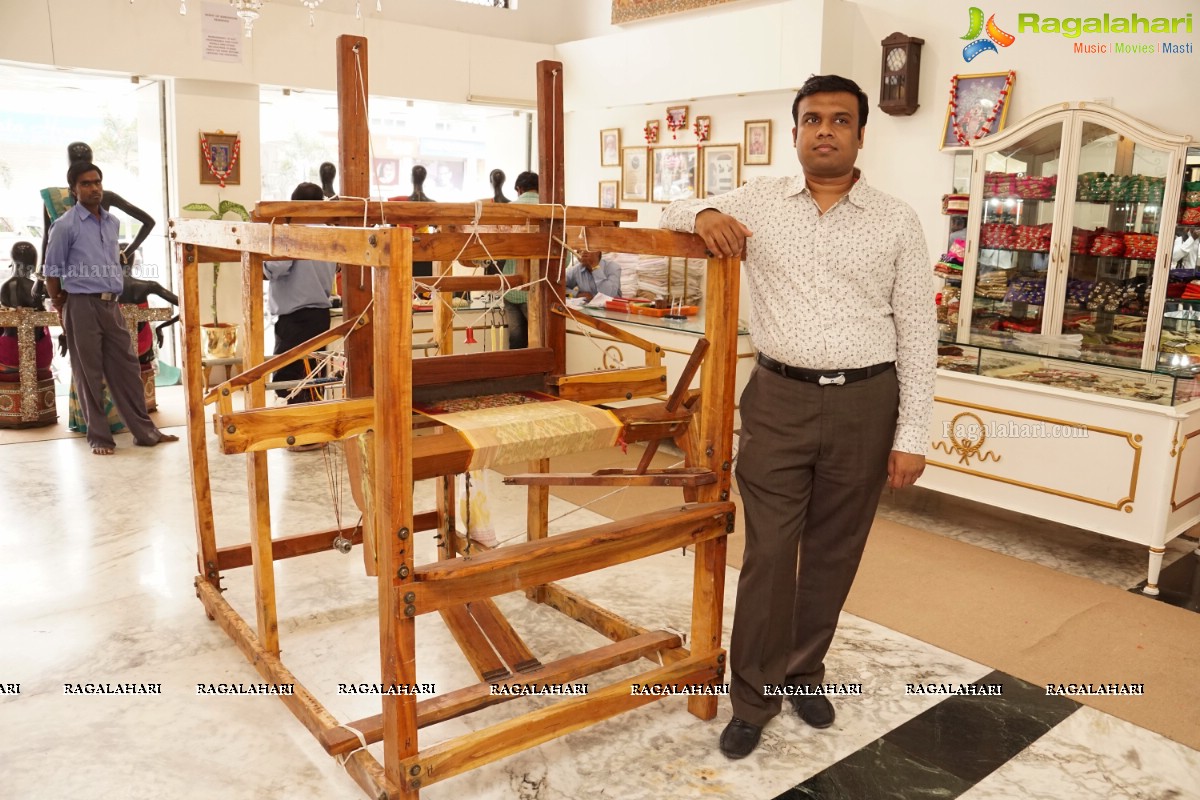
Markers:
995,36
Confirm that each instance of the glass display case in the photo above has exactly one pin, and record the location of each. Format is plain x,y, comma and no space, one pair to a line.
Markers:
1179,343
1068,244
1126,383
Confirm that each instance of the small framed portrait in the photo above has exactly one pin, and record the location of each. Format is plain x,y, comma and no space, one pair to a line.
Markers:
387,171
677,117
610,147
978,106
674,174
758,142
651,131
634,174
720,171
609,192
219,162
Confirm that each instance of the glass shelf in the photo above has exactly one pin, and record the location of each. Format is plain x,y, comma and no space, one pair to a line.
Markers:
1168,386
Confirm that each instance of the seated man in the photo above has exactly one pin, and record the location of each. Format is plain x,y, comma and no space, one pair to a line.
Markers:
593,274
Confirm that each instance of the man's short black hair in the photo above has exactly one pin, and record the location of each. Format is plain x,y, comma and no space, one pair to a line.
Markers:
308,191
79,168
526,182
831,83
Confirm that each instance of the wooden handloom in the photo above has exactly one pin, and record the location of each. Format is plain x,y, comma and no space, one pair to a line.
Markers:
378,281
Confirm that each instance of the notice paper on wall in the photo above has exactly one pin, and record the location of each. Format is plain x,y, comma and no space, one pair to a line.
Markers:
221,32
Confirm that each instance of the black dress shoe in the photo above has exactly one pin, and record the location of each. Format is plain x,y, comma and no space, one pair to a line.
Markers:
739,738
815,709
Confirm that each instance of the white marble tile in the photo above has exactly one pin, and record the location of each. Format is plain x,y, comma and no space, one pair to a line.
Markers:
96,580
1092,754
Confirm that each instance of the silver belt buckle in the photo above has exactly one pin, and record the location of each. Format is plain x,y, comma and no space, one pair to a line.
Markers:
825,380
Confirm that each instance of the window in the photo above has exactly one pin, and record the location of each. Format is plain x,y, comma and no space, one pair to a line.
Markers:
459,145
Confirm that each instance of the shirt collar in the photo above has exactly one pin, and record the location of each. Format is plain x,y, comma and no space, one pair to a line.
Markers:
857,194
82,212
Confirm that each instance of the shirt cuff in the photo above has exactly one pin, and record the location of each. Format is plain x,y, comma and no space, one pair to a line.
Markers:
911,439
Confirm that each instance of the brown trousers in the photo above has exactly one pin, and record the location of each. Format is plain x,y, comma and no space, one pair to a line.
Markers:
812,462
102,353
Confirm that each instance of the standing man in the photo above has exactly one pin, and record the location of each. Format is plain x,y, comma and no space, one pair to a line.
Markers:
299,299
516,301
84,280
843,319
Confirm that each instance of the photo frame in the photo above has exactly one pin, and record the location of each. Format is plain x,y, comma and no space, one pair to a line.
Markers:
635,174
651,131
757,142
610,147
226,167
677,117
979,105
720,169
610,191
674,176
386,171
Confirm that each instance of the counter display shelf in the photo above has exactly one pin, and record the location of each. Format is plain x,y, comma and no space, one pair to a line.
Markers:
1102,448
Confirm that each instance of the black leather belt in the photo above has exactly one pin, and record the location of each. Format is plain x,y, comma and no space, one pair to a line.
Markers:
824,377
99,295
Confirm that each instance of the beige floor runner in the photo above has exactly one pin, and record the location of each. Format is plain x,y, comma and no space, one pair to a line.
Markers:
1035,623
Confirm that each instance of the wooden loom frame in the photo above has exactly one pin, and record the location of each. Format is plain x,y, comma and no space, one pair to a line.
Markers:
407,589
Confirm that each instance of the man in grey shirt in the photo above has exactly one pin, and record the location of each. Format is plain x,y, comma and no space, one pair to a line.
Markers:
594,273
299,299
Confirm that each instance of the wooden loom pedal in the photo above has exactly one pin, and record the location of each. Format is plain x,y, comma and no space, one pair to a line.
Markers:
615,477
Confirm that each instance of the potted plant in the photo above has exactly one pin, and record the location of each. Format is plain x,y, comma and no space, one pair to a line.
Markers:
220,338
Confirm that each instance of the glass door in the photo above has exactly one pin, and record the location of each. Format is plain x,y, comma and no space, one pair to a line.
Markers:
1115,223
1179,345
1015,228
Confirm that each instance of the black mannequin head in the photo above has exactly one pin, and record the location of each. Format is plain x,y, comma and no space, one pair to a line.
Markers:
79,151
418,181
497,179
328,172
24,259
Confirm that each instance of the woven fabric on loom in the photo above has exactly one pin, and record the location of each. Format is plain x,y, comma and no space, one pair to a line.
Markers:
522,426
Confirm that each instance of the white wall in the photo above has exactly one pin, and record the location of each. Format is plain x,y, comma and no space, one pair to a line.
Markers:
149,37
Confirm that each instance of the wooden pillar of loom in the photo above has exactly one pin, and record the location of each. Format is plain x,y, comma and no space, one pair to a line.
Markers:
354,156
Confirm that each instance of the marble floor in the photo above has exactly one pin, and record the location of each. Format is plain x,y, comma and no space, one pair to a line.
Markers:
96,587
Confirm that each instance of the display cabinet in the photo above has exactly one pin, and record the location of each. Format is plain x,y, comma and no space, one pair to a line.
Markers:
1067,385
1068,244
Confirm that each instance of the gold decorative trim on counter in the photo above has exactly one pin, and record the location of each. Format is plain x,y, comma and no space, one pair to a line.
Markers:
966,448
1132,439
1175,504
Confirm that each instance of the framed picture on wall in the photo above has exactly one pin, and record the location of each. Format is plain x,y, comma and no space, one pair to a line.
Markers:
720,171
651,131
610,147
978,106
677,117
609,192
219,161
674,175
634,174
758,141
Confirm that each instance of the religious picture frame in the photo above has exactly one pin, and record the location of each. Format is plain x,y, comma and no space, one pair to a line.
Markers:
978,106
610,147
610,192
720,173
757,142
651,131
674,175
677,117
634,174
225,168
